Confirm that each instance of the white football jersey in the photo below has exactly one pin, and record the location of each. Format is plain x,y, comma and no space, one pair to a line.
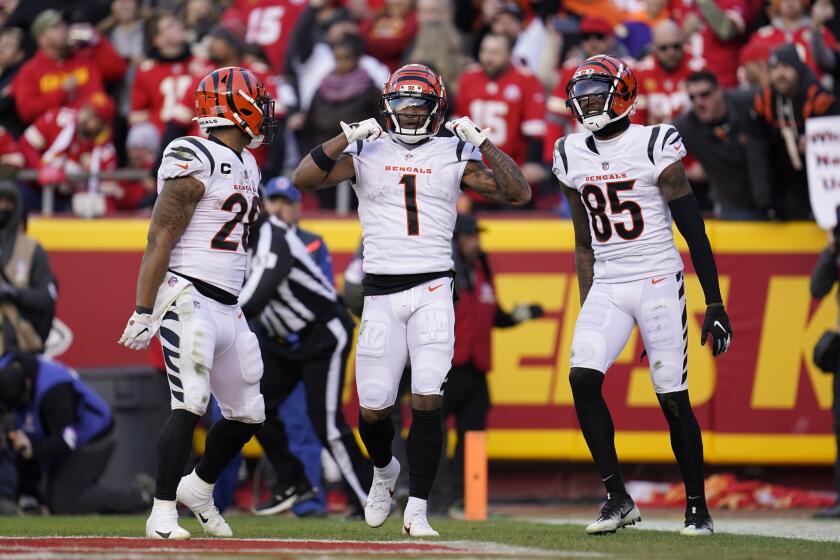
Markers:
213,247
407,199
617,179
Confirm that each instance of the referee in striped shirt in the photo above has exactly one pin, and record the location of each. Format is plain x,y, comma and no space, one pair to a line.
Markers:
304,332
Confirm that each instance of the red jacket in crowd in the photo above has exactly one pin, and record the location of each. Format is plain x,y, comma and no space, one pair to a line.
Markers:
387,37
269,24
512,106
159,86
38,87
771,38
662,95
721,56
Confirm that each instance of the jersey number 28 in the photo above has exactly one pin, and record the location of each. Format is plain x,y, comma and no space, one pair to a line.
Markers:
602,228
220,240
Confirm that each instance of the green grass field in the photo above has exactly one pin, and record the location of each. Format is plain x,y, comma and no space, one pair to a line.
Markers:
628,543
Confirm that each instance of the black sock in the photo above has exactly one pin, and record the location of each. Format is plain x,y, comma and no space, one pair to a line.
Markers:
425,441
224,440
377,438
687,445
597,425
173,449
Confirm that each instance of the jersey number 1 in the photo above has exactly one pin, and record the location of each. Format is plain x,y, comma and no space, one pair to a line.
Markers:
220,240
412,222
593,199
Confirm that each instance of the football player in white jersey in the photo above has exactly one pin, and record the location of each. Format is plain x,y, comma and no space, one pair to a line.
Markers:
625,184
191,274
408,182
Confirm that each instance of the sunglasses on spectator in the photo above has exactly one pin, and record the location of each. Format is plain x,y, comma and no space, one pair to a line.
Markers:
701,95
596,36
669,46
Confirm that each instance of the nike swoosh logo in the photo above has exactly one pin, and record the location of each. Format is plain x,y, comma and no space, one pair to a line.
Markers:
693,497
717,324
164,535
202,518
606,479
656,281
433,288
182,165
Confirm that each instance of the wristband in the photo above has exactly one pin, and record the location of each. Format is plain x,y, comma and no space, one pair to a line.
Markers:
143,310
324,162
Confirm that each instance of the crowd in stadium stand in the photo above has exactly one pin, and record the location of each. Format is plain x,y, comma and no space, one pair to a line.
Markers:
94,85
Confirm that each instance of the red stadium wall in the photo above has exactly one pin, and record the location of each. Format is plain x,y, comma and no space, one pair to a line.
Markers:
763,402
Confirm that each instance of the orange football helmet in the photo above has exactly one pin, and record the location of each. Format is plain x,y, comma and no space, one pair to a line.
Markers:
235,97
602,90
413,103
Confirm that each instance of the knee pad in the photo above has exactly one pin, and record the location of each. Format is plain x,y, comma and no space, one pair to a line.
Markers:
427,379
375,388
250,359
666,371
252,410
585,380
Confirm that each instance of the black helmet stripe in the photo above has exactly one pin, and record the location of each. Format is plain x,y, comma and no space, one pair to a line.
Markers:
413,77
215,76
246,78
230,91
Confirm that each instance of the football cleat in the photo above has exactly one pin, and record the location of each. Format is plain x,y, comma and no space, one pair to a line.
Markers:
698,522
198,496
285,498
378,504
165,526
417,525
619,511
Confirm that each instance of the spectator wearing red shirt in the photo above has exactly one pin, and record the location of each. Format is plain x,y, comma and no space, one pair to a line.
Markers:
477,313
661,77
596,38
715,31
508,100
790,25
67,69
388,33
162,80
65,140
269,25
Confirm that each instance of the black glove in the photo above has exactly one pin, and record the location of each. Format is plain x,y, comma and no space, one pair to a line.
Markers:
525,312
716,323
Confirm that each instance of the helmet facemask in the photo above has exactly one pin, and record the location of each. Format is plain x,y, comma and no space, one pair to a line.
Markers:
267,128
411,117
591,100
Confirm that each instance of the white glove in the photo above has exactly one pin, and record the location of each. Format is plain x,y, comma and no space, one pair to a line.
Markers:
366,130
467,131
138,331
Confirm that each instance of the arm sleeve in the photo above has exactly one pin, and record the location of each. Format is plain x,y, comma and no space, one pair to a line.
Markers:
184,157
822,43
686,214
58,414
270,264
503,319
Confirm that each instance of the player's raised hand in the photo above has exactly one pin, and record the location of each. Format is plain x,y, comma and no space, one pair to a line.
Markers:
138,331
468,131
716,324
367,129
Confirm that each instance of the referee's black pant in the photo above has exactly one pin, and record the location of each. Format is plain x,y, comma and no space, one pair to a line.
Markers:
319,360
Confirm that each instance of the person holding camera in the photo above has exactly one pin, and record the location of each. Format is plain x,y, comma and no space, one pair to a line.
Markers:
71,64
64,431
827,351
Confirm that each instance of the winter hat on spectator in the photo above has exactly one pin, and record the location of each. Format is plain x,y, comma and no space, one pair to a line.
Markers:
143,135
102,105
514,10
232,33
45,20
754,51
788,54
595,24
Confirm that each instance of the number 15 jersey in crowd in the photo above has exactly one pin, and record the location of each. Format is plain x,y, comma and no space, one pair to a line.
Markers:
617,180
407,197
213,247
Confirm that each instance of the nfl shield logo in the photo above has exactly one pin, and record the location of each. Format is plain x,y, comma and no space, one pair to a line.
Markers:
605,165
409,156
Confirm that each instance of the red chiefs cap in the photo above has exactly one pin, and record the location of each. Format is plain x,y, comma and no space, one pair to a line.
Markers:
594,24
102,105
